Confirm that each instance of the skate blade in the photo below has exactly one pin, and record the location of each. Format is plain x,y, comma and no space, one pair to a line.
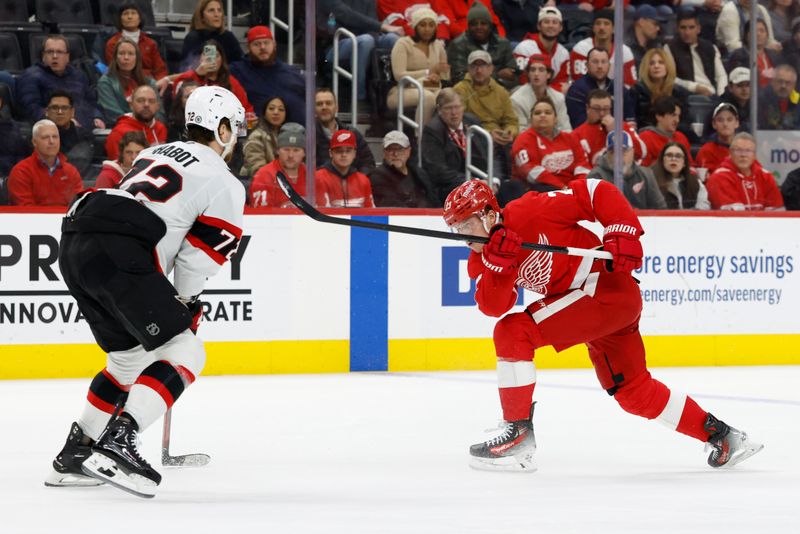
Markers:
523,463
70,480
185,460
750,450
105,469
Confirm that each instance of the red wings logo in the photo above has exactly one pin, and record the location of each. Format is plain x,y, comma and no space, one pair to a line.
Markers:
535,272
558,161
342,137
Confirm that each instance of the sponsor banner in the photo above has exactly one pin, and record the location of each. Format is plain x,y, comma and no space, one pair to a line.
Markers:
701,276
288,281
779,151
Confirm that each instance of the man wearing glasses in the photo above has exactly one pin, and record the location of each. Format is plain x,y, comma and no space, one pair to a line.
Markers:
741,183
53,73
77,143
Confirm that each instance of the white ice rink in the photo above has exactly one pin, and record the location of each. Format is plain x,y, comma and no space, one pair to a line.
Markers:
387,453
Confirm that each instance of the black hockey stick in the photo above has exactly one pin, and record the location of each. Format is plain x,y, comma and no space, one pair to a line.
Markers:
197,459
315,214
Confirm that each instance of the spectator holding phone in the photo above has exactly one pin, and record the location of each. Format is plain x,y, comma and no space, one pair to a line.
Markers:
208,22
213,70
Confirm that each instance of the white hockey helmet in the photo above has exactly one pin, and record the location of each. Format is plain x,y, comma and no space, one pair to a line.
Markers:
208,105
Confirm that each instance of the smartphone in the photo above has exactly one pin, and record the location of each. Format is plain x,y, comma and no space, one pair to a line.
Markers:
210,53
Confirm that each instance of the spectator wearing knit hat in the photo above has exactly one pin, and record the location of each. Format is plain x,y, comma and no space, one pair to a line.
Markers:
550,26
264,189
456,13
401,13
423,58
264,75
339,184
481,34
539,75
399,182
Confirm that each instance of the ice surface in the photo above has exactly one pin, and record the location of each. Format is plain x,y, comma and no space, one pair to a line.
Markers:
387,453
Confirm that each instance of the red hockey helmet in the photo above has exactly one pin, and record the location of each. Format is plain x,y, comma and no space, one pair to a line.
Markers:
470,198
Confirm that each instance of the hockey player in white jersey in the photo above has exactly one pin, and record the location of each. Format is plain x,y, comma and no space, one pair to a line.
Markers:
179,210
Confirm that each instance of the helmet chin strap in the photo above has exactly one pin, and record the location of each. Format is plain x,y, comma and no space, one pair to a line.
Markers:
485,220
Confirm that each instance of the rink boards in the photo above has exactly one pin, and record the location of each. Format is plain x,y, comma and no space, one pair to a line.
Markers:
303,296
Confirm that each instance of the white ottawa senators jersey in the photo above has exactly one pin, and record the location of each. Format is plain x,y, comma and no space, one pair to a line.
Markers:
190,187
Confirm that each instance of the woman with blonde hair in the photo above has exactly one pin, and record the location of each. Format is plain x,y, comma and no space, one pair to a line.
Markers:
656,79
208,22
423,58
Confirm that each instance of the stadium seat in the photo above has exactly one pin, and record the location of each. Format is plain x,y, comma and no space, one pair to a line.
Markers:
23,31
5,96
10,54
13,11
64,11
110,8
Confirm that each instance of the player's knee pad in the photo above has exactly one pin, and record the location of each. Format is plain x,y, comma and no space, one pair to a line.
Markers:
516,337
126,365
184,352
643,396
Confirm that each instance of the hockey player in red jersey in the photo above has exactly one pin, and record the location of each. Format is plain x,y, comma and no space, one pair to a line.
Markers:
178,210
583,301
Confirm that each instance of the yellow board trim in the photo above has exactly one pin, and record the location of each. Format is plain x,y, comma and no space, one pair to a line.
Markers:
662,351
256,357
287,357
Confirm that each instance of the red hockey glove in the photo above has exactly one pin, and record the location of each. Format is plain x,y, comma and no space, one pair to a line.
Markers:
500,253
622,241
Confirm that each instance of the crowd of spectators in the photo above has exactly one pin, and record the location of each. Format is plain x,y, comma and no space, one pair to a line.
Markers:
536,76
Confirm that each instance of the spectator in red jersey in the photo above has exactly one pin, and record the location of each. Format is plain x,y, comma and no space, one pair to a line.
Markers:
142,118
593,133
400,182
668,115
681,188
129,22
114,88
638,183
456,15
264,189
339,184
741,183
215,71
539,75
113,170
45,178
546,43
482,35
545,158
602,37
725,121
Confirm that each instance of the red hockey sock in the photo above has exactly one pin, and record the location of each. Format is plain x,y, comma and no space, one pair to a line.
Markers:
516,402
693,420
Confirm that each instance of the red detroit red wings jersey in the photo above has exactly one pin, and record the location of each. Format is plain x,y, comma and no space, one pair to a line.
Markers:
554,161
551,219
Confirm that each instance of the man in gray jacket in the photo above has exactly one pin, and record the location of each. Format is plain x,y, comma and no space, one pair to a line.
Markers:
639,183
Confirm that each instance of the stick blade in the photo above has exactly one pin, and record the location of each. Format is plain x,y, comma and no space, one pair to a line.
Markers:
184,460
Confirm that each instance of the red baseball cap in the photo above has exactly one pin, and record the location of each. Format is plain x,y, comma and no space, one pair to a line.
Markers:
343,138
258,32
544,59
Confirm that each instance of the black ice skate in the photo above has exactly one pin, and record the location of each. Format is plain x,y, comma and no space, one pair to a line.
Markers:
728,445
512,450
67,465
115,459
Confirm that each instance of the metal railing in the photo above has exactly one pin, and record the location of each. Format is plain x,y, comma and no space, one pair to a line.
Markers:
286,26
402,119
352,76
471,169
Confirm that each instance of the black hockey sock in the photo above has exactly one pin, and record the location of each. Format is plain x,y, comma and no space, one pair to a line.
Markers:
105,393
